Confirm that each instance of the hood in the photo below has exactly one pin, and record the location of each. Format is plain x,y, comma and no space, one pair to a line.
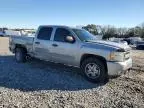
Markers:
110,44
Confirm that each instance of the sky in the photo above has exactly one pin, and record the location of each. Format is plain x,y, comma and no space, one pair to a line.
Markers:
32,13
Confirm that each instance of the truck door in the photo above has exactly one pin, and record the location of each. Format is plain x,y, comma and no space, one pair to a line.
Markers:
64,52
42,43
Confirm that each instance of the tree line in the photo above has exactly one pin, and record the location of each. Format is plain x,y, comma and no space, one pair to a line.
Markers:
111,31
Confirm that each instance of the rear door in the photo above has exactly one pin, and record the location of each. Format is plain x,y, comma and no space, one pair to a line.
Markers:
42,43
64,52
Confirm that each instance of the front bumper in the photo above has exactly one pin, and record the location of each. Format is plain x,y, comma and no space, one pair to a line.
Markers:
116,68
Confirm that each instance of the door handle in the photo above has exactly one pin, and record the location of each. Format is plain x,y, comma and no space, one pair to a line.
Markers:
37,42
55,45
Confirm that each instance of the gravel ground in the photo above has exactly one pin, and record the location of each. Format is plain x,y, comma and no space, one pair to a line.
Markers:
46,85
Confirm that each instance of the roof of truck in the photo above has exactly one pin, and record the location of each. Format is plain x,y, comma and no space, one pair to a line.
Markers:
59,26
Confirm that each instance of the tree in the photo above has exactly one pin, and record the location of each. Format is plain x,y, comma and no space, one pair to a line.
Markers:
131,32
108,32
142,30
139,30
91,28
111,31
121,32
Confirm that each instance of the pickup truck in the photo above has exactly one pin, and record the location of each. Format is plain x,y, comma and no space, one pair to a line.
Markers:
74,47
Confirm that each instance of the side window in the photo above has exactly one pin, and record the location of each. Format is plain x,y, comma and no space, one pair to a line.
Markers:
45,33
61,34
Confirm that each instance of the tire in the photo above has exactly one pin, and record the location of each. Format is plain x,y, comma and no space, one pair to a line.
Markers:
94,70
20,55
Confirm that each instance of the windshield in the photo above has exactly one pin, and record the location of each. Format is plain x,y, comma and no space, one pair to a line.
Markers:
84,35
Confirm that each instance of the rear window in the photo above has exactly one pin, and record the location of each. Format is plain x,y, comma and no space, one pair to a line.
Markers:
45,33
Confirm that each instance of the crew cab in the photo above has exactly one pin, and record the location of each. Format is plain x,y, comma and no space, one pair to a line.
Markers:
74,47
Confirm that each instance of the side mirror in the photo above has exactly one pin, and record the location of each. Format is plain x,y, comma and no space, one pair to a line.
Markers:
70,39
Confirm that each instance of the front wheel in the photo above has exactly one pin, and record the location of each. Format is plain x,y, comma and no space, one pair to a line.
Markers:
94,70
20,55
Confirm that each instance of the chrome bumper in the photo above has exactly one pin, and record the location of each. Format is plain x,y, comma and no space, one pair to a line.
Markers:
116,68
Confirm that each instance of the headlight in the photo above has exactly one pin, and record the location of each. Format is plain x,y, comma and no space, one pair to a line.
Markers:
117,56
120,55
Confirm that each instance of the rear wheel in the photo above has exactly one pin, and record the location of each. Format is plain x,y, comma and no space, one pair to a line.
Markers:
20,55
94,70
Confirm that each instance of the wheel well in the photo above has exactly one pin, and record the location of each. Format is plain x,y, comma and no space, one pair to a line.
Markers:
20,46
85,56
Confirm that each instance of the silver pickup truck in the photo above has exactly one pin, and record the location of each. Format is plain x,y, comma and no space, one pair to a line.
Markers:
74,47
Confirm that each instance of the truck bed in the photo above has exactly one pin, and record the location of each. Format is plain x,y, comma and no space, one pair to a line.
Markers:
26,41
